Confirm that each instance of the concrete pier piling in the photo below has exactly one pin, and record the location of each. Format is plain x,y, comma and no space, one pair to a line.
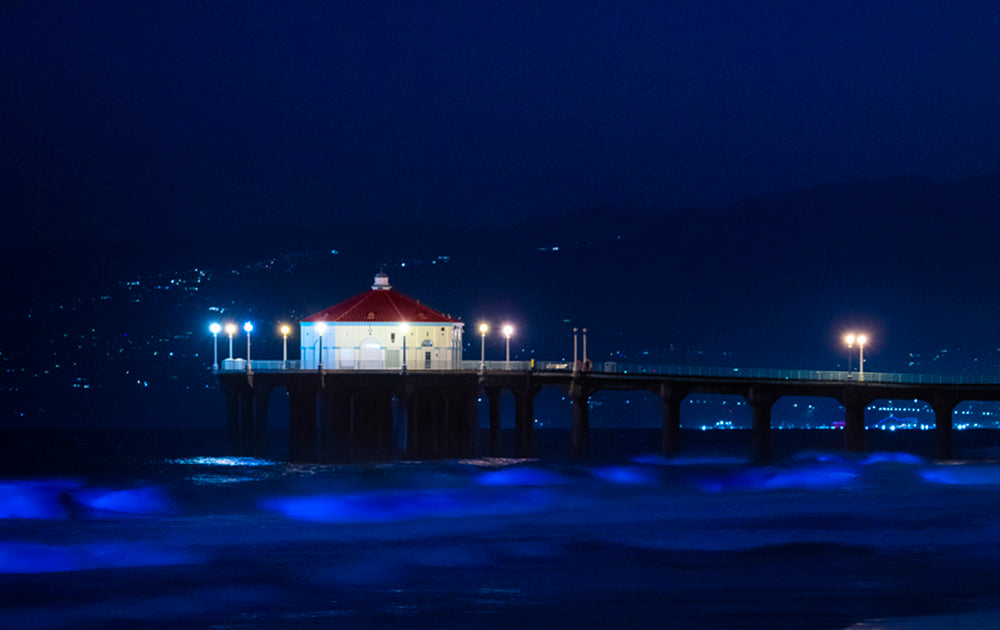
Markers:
359,415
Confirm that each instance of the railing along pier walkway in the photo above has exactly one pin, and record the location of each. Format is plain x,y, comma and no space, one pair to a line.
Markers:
372,412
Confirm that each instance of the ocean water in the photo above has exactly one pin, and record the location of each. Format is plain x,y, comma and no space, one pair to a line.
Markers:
146,530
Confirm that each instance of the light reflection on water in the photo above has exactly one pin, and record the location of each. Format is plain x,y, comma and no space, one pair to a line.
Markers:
217,480
223,471
243,462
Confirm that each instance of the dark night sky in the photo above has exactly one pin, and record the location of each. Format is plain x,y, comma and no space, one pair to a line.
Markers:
120,117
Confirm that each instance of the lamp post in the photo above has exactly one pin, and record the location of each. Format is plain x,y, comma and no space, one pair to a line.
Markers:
230,330
284,345
508,330
482,347
215,328
404,328
861,359
320,329
584,346
248,327
850,341
575,362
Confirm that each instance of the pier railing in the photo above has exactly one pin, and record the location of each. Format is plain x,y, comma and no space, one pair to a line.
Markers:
639,369
795,375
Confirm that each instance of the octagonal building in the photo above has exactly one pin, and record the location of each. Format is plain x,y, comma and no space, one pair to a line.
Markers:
380,329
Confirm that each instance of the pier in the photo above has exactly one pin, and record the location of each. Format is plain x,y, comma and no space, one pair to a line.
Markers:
362,415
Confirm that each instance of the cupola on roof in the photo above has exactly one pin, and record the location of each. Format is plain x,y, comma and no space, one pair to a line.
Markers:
381,304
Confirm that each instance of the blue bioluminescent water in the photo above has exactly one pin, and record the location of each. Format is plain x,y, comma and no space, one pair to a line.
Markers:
822,539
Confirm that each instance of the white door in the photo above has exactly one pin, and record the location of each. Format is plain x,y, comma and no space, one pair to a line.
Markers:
371,355
346,358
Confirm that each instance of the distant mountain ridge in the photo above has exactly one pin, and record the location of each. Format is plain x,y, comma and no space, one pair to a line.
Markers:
770,279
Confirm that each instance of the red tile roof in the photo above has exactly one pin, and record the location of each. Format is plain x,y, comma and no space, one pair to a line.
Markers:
379,305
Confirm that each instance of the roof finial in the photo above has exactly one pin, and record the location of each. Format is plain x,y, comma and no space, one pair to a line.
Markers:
381,279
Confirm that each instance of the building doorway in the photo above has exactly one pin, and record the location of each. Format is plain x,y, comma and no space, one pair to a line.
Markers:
371,355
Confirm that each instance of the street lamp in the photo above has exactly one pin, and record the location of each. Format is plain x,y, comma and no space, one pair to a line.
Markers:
215,328
849,340
284,342
248,327
482,349
584,346
860,340
861,359
404,328
575,363
230,330
508,330
320,329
